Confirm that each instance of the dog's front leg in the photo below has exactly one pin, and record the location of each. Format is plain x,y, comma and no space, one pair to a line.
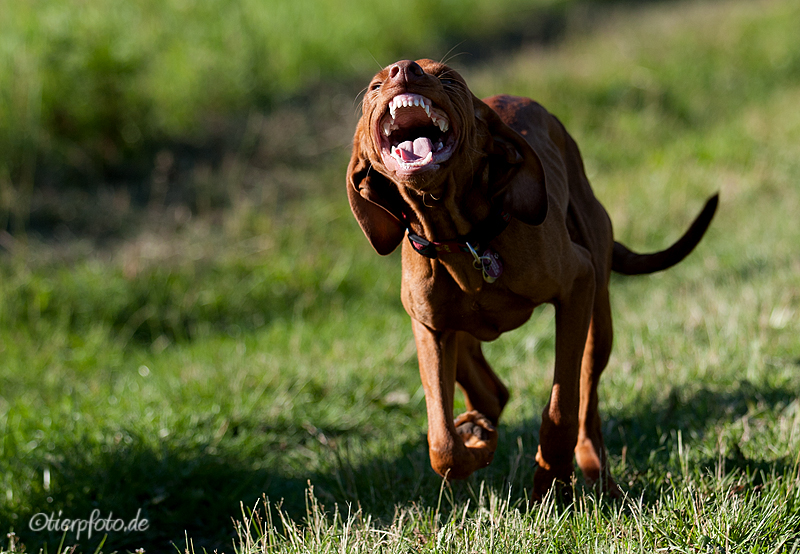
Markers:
559,431
456,448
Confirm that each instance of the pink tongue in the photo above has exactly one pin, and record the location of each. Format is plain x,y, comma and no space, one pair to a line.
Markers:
419,149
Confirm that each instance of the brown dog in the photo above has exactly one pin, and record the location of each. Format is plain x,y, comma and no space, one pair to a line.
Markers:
500,218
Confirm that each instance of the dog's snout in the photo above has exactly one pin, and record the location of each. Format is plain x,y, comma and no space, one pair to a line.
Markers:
405,71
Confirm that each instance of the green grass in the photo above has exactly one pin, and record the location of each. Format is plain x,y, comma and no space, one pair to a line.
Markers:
204,364
89,86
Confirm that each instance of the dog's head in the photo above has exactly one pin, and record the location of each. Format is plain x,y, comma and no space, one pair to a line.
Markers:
422,128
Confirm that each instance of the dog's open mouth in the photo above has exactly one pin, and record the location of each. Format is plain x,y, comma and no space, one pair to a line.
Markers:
415,135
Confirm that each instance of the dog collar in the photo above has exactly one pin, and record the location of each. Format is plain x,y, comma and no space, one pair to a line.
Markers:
488,263
481,235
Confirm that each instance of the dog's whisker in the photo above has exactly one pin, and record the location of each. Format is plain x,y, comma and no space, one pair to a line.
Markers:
447,58
380,66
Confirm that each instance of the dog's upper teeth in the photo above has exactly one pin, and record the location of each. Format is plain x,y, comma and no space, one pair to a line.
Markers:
441,123
410,101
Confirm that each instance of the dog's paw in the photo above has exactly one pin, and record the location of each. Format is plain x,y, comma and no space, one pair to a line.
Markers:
546,479
597,476
459,460
546,476
479,436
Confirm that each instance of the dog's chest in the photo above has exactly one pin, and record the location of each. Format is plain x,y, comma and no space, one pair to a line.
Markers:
484,310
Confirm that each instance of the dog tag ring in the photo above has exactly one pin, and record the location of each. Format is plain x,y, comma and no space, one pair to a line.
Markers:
492,266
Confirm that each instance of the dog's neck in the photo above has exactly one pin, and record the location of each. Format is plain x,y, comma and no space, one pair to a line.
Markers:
452,208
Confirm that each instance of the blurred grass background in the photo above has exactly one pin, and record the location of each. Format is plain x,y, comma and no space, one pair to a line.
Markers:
190,317
92,88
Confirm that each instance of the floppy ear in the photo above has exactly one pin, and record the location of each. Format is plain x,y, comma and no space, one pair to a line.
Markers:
515,171
376,204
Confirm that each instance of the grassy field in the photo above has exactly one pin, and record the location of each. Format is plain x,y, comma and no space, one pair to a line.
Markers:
91,87
245,378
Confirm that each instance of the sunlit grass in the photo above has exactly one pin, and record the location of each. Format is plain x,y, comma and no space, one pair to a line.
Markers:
89,85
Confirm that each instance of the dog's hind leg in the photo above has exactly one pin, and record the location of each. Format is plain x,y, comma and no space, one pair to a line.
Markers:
558,433
483,390
590,452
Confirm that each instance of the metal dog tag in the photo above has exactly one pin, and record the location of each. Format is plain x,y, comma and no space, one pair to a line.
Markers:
492,266
489,264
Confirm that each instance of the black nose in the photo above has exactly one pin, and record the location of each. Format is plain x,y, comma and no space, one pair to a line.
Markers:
405,71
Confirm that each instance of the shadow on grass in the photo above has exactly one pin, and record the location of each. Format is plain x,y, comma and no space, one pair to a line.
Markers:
103,196
196,491
180,492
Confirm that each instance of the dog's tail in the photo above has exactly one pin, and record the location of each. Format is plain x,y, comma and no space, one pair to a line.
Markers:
628,262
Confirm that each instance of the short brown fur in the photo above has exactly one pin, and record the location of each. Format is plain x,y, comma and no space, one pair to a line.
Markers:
558,248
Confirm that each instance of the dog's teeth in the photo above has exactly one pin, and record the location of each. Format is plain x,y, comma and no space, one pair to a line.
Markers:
427,109
416,101
387,129
439,145
442,125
